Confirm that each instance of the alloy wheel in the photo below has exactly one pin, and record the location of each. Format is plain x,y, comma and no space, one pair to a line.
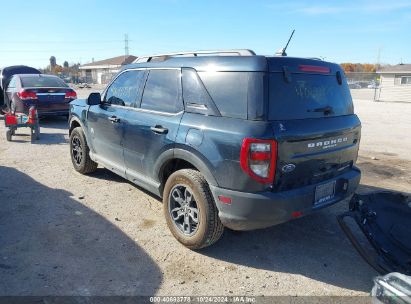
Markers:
184,210
77,150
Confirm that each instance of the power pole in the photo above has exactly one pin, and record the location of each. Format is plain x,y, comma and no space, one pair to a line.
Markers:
375,80
125,44
379,56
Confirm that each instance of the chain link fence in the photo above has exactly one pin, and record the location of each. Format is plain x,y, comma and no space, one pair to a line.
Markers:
364,85
392,87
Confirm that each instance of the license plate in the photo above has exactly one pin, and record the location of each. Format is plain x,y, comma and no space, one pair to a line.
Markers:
324,192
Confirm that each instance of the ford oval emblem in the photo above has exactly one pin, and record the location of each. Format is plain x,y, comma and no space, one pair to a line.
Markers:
288,168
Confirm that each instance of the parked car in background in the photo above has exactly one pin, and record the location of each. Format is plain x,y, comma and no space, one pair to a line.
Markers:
50,94
354,86
243,142
6,74
373,85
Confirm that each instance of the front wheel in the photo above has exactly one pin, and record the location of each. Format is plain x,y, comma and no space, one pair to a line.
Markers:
190,211
80,152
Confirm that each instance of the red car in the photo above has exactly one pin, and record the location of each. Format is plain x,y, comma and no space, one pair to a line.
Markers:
50,94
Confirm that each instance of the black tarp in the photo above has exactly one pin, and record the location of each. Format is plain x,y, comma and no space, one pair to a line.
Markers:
385,220
6,74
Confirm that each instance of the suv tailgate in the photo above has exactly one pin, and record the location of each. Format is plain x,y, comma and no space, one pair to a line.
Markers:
312,114
315,150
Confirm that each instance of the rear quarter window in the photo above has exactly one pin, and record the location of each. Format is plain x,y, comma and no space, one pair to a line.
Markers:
304,95
229,91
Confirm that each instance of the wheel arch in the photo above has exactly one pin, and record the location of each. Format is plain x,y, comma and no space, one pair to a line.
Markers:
177,159
76,122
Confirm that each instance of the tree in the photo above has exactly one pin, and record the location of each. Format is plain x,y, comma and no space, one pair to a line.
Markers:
58,69
359,67
52,62
66,64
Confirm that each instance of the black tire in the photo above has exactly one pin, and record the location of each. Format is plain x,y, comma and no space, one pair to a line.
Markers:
35,133
80,158
209,228
9,134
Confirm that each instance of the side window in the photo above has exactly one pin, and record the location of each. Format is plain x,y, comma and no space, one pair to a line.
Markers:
12,83
195,96
162,91
229,91
125,89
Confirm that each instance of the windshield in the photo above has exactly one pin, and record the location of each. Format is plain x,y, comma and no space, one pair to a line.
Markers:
307,96
42,81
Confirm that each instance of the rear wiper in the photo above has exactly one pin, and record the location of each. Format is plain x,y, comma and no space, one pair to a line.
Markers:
326,110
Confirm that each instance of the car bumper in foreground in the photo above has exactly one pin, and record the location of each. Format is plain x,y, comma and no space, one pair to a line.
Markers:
248,211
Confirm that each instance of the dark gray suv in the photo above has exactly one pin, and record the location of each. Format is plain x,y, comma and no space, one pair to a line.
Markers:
225,138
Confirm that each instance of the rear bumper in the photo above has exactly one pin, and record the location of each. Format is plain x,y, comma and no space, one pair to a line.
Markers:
51,110
249,211
43,113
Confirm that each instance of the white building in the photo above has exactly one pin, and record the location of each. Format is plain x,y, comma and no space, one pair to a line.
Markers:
395,83
102,71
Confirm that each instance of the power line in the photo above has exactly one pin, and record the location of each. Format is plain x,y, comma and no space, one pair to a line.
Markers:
57,51
60,41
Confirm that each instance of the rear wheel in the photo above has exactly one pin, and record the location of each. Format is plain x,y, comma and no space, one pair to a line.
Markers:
190,211
80,152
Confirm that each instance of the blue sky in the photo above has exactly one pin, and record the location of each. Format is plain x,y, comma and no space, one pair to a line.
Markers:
77,31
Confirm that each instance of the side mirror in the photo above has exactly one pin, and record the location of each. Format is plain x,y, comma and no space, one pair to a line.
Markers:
94,99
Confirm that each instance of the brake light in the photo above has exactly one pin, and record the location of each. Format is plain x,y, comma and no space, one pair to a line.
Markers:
314,68
71,95
258,159
26,95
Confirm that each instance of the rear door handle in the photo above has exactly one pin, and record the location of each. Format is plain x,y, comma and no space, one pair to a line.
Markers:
159,129
114,119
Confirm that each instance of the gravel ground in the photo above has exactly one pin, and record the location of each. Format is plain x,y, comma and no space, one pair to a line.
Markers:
62,233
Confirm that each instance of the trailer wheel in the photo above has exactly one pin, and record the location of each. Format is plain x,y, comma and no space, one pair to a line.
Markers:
35,133
9,134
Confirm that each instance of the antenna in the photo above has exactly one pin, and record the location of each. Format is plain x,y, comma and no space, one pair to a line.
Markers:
125,44
281,52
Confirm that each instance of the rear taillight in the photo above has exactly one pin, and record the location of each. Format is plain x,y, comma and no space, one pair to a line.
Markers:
27,95
258,159
71,95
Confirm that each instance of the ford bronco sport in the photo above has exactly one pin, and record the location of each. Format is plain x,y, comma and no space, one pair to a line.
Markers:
227,139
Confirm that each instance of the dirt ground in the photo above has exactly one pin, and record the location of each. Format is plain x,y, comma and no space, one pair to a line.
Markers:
62,233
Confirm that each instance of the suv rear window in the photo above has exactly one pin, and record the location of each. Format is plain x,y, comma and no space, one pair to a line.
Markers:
306,95
42,81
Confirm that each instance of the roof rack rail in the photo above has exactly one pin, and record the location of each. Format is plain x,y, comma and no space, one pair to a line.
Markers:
162,57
